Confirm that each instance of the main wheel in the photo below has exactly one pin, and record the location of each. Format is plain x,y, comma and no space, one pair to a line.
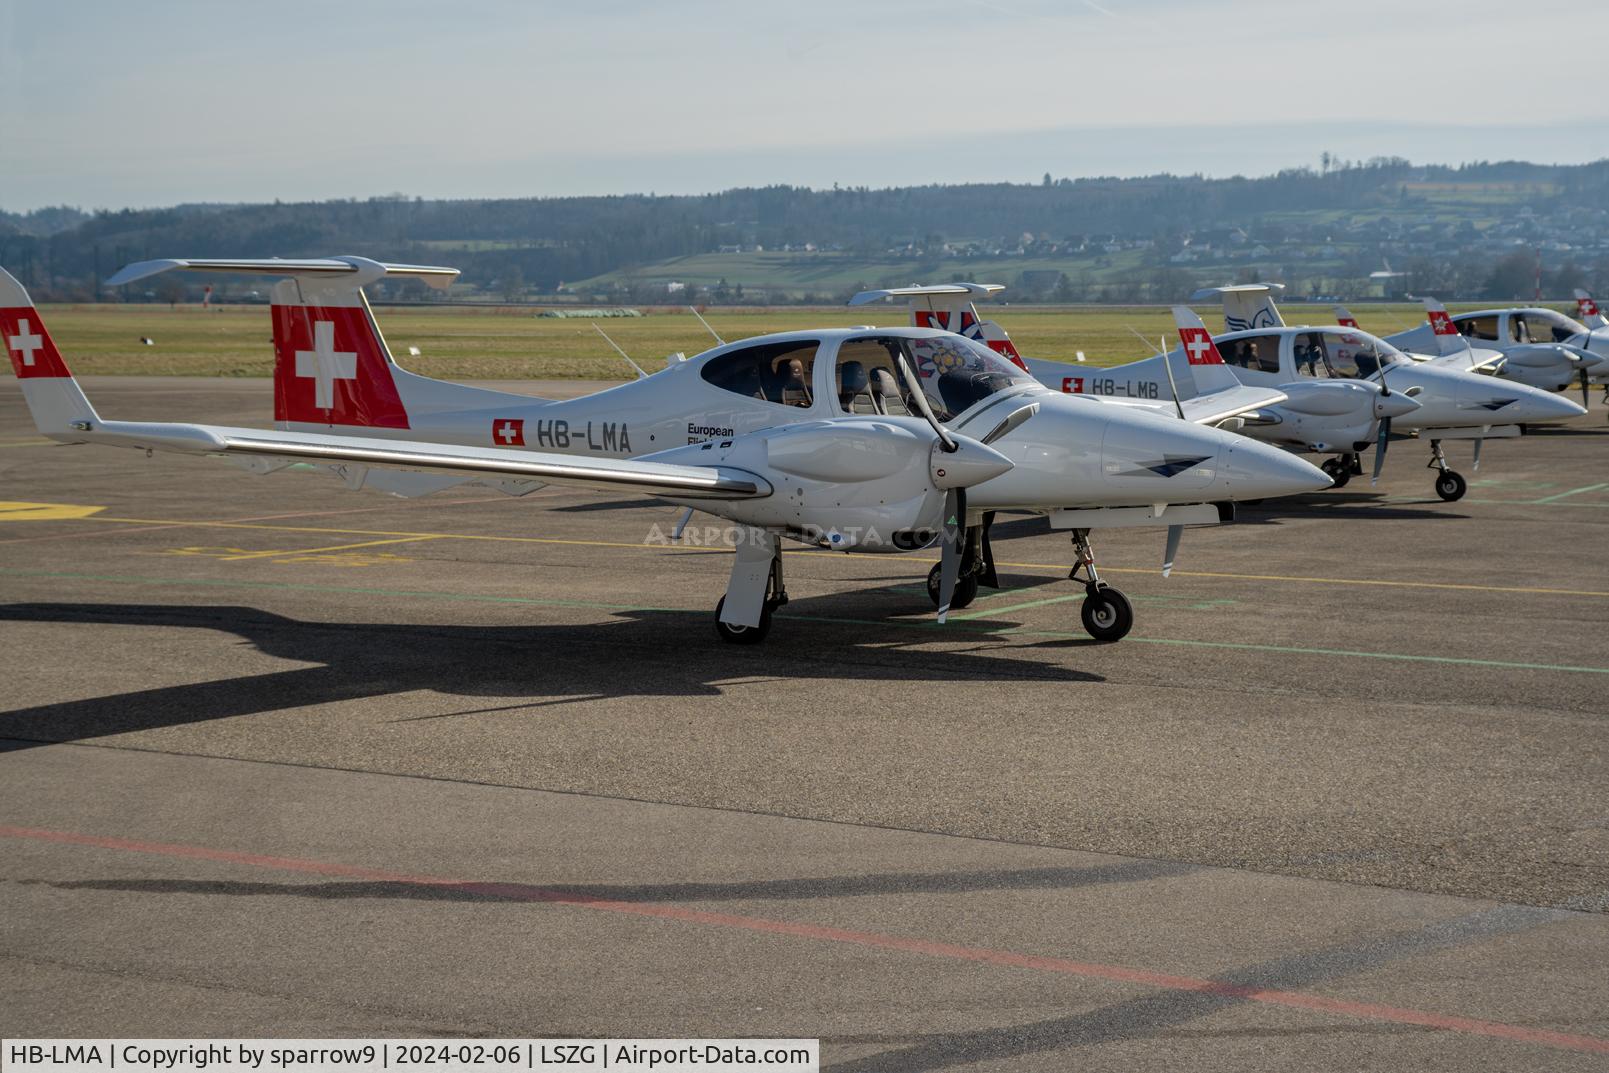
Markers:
1337,471
1450,486
966,588
743,635
1107,614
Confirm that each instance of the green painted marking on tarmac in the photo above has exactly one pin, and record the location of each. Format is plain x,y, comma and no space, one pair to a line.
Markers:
1016,607
1571,492
1508,665
925,624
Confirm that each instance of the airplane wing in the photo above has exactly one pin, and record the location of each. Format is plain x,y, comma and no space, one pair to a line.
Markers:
484,463
1207,409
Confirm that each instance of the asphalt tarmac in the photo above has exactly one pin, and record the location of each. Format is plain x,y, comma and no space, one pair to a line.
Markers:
283,759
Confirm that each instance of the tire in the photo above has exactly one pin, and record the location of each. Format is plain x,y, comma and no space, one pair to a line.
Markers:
1451,487
743,635
1107,615
1337,471
966,588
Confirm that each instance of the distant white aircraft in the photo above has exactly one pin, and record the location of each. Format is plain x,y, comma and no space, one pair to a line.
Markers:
856,440
1548,366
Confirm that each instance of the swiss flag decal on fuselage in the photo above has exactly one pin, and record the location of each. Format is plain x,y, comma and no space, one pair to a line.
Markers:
28,344
1199,348
508,432
329,369
1072,385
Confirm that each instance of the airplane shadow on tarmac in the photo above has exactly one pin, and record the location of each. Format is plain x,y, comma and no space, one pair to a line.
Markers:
671,654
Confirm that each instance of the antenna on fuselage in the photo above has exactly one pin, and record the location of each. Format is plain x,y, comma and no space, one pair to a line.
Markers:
1173,387
718,340
1138,336
640,374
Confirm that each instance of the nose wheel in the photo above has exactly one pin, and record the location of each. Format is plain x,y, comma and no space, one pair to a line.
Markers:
1450,486
1106,613
1336,470
966,587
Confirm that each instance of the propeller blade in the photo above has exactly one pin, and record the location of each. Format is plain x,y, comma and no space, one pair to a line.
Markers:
1380,449
1585,400
1175,532
919,397
1477,464
955,534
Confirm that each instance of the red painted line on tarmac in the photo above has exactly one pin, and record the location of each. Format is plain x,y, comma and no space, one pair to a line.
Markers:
1094,970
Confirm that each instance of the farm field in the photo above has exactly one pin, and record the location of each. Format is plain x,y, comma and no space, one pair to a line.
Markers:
510,343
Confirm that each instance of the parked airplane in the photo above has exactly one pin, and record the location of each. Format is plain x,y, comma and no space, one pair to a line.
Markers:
1293,411
859,440
1461,342
1454,404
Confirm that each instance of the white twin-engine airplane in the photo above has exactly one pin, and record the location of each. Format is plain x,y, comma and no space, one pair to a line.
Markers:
1535,346
1461,344
1453,404
860,440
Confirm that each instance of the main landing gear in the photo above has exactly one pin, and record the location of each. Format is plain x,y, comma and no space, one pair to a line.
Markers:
1449,485
756,574
1106,613
977,567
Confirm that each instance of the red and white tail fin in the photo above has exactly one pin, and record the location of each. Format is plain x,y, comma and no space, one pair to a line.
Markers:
331,365
1201,355
1344,317
54,398
949,307
1448,341
1588,310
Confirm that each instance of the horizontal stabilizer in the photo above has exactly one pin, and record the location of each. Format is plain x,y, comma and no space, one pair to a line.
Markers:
360,269
966,291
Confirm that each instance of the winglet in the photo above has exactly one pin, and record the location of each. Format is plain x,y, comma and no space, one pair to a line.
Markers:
54,398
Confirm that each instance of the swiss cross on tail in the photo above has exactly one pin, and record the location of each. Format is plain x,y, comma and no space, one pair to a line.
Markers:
28,344
1585,306
1344,317
329,369
1199,349
1440,322
508,432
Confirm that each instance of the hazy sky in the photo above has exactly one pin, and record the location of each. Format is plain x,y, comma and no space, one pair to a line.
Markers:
126,103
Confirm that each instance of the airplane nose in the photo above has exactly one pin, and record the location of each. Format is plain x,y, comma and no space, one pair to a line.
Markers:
1395,404
1551,408
1256,470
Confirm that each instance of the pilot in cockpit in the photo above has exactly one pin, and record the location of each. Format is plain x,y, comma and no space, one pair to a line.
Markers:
795,385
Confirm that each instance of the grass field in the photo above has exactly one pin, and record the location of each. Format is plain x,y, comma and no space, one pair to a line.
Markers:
511,344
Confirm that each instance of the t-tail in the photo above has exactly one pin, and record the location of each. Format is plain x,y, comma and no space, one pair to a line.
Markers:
1246,305
54,398
332,368
1344,317
950,307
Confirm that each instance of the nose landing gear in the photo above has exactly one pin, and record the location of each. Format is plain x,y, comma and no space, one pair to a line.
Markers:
1336,470
1106,613
977,567
1450,486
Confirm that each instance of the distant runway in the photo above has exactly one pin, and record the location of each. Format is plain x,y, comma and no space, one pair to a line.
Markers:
286,759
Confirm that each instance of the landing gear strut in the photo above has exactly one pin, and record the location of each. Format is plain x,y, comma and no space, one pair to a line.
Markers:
1449,485
1106,613
977,568
758,563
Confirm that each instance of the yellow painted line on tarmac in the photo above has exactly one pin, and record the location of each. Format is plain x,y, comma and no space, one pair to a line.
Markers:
36,442
44,512
1060,568
279,552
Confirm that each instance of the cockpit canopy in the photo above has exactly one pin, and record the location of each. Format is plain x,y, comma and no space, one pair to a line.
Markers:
1342,354
869,373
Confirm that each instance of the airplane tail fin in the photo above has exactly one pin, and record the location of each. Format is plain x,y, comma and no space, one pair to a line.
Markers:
1588,310
1344,317
55,400
331,364
1448,340
1201,355
949,307
1246,305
